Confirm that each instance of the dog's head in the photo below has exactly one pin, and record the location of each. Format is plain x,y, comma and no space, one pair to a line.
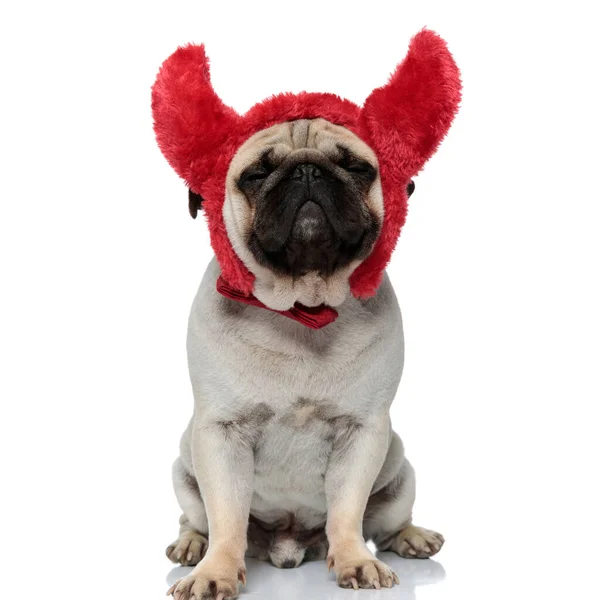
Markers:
303,207
305,194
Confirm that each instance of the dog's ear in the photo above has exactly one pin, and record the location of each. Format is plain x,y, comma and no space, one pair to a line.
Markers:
406,119
194,203
190,121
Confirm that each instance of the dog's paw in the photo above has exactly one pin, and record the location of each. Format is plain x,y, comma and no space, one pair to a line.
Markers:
207,585
188,549
416,542
363,573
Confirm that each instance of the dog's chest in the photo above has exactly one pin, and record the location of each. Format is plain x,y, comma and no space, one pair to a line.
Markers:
292,454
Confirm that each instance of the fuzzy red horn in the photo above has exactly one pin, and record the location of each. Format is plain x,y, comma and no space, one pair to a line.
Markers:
406,119
190,121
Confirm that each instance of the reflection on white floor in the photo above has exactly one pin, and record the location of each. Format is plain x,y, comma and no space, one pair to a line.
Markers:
311,580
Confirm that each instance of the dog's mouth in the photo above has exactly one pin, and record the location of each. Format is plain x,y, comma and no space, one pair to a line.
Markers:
313,244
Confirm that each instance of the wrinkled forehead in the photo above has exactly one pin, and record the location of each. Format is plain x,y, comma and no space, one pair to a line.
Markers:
301,138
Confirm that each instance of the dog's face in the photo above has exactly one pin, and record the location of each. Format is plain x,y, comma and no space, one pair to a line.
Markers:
303,209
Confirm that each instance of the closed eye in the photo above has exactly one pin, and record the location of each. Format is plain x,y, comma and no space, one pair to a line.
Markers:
257,172
248,176
359,168
355,165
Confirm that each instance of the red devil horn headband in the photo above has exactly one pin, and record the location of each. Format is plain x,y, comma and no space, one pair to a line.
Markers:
403,121
191,121
406,119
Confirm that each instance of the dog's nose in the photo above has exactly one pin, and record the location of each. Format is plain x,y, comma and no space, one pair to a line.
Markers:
306,172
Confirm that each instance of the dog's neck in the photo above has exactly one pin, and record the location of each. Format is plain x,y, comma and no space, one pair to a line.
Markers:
314,317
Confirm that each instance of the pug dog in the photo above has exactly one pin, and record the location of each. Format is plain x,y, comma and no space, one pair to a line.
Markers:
290,449
290,455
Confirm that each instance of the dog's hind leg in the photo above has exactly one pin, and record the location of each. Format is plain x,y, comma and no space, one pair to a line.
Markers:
191,545
388,516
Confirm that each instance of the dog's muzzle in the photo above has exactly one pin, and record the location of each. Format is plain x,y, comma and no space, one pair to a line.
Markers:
313,242
319,225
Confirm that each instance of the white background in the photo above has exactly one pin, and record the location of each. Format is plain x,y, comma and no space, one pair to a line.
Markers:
496,271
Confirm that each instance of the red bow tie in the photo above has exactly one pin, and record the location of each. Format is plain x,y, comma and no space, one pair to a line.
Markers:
314,317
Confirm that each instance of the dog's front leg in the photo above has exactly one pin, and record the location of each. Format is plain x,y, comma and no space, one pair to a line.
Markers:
357,457
223,460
